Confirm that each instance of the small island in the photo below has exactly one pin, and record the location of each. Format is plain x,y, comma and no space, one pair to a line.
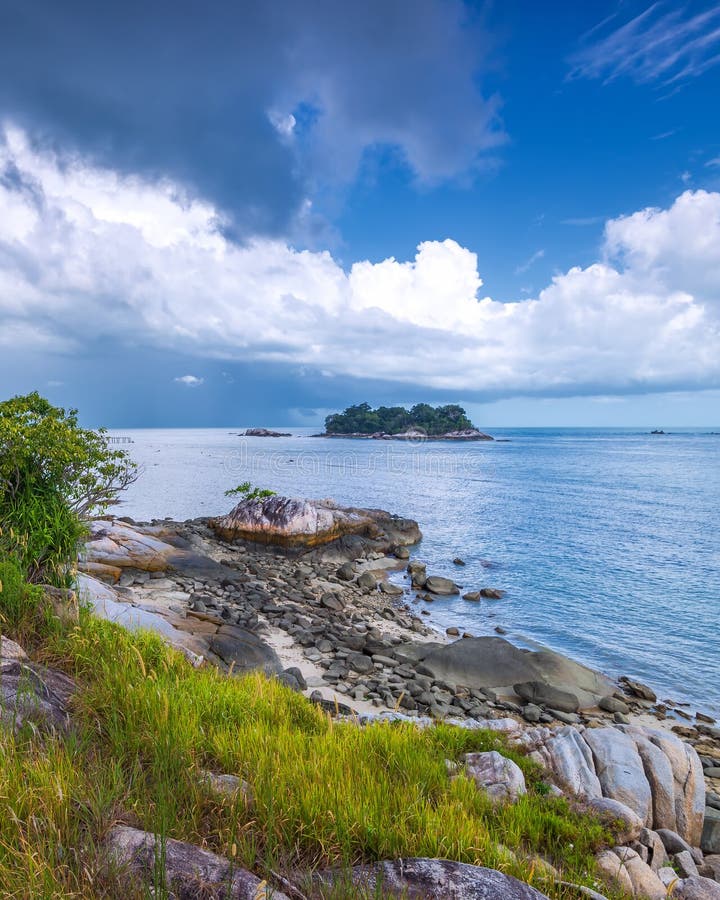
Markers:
440,423
264,432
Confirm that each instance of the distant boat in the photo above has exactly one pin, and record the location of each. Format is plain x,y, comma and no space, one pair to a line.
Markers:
657,431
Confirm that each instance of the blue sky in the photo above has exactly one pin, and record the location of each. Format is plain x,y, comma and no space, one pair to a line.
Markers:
265,214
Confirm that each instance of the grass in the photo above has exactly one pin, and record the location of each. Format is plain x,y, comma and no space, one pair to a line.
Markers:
324,793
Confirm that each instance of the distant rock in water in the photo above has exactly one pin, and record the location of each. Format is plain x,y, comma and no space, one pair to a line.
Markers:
264,432
306,524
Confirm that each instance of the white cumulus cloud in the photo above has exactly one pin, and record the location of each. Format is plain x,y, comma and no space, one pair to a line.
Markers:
189,380
89,255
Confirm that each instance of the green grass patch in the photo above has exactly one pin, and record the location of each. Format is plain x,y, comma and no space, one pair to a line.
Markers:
325,793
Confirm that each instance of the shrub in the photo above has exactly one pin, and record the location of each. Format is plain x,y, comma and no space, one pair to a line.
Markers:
249,492
53,474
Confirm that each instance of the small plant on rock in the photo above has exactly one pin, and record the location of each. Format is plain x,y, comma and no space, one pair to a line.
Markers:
249,491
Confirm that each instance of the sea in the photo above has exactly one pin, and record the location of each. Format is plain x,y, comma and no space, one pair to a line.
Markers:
606,541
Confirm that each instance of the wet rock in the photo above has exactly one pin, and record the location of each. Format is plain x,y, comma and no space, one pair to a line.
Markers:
188,871
473,596
443,587
492,593
613,705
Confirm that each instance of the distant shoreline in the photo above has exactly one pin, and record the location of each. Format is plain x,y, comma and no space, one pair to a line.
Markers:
410,436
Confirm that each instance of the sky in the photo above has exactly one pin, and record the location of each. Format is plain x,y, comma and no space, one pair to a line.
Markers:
243,213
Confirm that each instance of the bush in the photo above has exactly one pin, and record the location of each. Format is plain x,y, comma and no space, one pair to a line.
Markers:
249,492
53,474
20,602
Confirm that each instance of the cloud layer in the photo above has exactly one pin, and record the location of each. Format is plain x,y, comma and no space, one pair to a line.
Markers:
89,256
250,104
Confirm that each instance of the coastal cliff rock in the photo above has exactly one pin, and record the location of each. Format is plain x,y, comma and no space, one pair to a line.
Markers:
306,524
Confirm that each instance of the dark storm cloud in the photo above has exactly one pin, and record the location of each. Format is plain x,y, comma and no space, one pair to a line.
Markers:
187,90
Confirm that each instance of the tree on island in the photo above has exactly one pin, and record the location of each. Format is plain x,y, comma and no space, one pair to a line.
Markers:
363,419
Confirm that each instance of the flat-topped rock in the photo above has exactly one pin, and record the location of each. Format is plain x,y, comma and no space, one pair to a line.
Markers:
305,524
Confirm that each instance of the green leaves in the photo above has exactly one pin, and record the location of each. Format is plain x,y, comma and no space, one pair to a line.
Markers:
53,473
362,419
249,492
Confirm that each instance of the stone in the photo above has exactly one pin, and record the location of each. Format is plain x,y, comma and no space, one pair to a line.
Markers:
401,553
658,772
346,572
392,590
696,888
543,694
226,785
452,631
306,524
571,761
684,864
637,689
492,593
620,770
264,432
689,784
187,871
361,663
332,602
430,879
473,596
613,872
244,651
31,694
500,777
458,561
710,840
367,581
443,587
613,705
118,545
645,882
631,825
656,849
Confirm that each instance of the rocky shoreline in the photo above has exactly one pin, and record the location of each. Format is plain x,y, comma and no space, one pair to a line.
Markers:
413,434
327,622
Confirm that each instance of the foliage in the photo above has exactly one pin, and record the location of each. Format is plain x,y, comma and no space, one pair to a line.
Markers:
20,602
249,492
53,473
363,419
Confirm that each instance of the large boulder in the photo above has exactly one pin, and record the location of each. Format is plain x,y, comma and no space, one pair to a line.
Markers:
543,694
430,879
620,770
245,652
493,662
305,524
710,841
187,871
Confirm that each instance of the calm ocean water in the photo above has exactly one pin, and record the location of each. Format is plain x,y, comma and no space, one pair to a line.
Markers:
607,542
